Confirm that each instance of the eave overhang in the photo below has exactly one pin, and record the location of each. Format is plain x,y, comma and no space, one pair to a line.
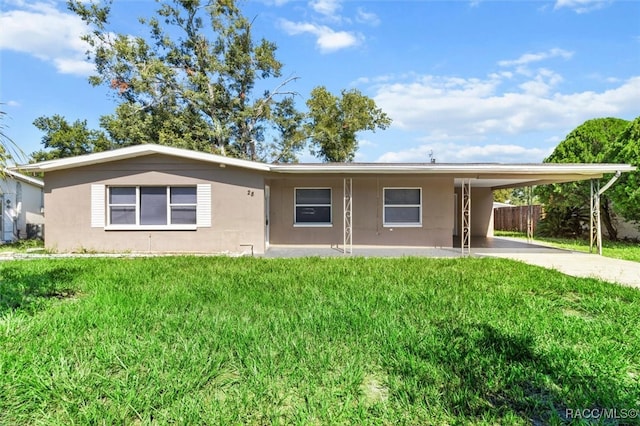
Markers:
493,175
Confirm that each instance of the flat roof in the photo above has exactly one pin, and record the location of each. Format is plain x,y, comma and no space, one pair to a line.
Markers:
494,175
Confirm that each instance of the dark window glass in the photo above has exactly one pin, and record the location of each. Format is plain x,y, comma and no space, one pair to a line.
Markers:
395,196
124,195
183,215
183,195
153,205
313,196
402,214
121,215
317,214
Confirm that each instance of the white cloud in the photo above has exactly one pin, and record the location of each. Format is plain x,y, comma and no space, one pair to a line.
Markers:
528,58
460,111
582,6
327,39
325,7
40,30
369,18
466,153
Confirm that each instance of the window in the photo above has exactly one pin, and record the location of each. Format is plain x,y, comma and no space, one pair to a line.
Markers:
182,204
402,207
151,207
313,206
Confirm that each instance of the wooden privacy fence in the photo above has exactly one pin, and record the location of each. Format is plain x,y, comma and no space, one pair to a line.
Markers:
515,218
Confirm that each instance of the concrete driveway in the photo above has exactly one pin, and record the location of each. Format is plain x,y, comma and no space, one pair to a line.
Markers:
577,264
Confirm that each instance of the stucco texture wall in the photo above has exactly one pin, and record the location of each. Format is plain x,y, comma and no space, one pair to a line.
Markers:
237,205
437,218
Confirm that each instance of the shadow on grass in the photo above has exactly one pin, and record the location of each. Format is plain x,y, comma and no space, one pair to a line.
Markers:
25,291
487,373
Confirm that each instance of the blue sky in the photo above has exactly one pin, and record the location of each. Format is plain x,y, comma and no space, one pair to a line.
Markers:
468,81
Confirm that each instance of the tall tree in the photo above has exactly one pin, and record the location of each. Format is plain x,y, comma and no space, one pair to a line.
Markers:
626,192
178,81
568,203
290,137
63,139
334,121
9,150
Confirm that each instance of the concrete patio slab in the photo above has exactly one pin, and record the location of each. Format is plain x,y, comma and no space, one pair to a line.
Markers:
364,251
572,263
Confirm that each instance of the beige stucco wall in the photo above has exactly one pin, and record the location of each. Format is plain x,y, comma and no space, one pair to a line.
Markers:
368,229
237,207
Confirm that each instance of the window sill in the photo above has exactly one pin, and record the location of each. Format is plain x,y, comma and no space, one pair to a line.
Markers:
313,225
402,225
150,228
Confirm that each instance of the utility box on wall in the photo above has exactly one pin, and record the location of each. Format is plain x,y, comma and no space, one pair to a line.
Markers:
35,231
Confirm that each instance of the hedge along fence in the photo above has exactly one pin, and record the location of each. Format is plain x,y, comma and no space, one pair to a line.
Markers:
515,218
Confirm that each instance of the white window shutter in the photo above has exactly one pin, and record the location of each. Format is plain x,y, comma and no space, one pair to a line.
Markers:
97,206
203,209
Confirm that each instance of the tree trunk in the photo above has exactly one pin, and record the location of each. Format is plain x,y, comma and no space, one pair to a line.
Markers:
606,214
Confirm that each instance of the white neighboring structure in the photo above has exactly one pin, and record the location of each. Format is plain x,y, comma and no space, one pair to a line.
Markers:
22,203
627,230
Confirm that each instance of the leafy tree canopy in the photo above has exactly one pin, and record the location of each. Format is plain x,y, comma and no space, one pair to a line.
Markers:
334,122
9,151
595,141
192,81
179,77
63,139
626,192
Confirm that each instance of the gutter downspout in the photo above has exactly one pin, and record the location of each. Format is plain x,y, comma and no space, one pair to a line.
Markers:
595,222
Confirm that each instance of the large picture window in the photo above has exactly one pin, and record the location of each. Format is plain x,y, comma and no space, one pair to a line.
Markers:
313,206
151,206
402,207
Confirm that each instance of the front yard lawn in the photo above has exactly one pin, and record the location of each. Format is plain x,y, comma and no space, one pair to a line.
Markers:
214,340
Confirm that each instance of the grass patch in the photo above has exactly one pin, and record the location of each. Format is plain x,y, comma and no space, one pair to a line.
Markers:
625,250
193,340
22,246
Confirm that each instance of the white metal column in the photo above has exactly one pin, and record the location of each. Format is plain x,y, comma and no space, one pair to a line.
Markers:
595,223
595,229
529,192
465,235
348,216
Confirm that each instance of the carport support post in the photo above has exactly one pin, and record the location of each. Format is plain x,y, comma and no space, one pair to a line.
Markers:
465,243
347,209
529,194
595,229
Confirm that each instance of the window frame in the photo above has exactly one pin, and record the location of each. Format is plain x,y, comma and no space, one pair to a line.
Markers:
137,226
312,224
401,224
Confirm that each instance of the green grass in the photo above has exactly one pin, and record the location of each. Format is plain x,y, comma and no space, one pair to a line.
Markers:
625,250
202,340
22,246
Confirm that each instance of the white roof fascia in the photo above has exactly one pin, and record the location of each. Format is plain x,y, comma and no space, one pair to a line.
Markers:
459,169
138,151
479,171
28,179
